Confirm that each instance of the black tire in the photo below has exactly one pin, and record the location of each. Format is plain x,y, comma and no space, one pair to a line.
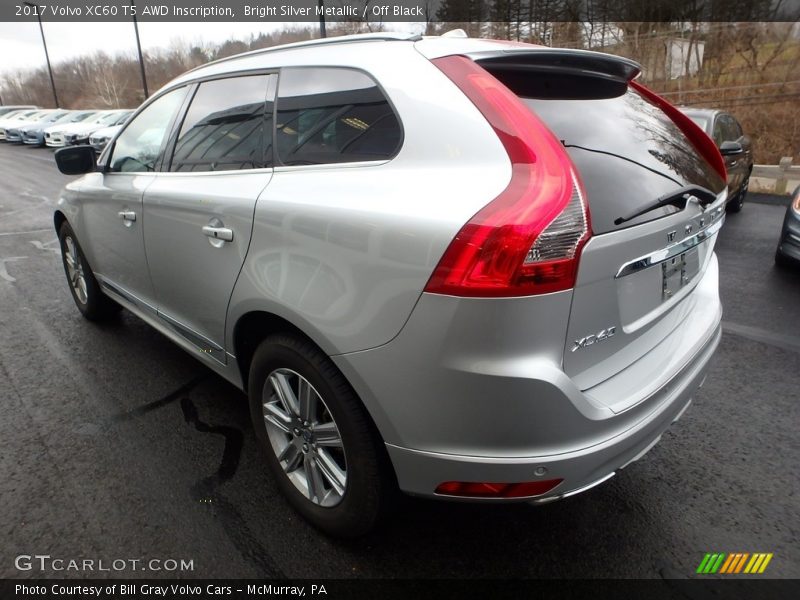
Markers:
736,204
370,487
784,262
95,306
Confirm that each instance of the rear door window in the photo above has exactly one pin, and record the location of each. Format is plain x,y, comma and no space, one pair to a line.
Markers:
333,115
228,126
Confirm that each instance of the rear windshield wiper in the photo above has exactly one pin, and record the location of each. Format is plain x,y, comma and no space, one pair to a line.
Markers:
677,198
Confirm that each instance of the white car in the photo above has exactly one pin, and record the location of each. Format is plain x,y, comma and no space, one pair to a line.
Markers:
52,134
78,133
100,138
16,118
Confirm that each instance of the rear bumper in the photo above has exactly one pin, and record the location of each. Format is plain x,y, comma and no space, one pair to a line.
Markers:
421,472
473,390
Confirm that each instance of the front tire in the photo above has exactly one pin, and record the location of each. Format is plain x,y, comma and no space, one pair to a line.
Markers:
320,445
90,300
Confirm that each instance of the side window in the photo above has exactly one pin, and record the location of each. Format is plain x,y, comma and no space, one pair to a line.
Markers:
333,115
228,126
138,147
729,128
718,134
737,128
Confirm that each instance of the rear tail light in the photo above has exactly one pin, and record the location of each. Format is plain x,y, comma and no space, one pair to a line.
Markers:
527,240
796,202
699,138
469,489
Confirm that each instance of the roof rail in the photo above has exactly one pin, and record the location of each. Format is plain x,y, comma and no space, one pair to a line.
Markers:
383,36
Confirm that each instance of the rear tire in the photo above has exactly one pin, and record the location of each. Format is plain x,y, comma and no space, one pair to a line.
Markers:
736,205
784,262
301,405
90,300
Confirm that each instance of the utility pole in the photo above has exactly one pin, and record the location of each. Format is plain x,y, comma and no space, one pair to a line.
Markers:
139,49
322,32
37,9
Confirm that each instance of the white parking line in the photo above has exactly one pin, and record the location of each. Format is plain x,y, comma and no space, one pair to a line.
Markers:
786,342
3,272
44,246
25,232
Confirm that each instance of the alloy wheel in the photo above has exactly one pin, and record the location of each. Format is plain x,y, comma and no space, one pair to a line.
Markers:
304,437
77,277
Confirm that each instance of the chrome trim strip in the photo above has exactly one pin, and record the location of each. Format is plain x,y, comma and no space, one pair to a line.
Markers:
200,341
659,256
125,294
579,490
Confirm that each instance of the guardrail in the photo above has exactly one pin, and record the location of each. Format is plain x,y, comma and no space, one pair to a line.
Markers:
781,173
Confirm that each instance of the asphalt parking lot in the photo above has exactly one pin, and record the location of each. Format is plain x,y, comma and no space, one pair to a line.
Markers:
117,444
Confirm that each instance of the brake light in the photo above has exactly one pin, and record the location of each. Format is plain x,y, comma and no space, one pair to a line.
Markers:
699,138
496,490
527,240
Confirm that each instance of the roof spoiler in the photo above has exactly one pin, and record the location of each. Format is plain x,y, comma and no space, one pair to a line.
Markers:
559,60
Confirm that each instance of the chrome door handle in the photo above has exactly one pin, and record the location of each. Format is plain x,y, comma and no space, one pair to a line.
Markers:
220,233
127,215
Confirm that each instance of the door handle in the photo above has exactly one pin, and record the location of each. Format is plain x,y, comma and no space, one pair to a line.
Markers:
127,215
220,233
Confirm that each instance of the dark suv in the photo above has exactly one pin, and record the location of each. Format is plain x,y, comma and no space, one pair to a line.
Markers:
735,147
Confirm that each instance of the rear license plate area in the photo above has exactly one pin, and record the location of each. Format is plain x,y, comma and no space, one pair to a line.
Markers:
678,271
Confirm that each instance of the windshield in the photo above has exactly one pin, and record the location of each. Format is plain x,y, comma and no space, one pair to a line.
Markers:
108,118
122,117
81,117
54,117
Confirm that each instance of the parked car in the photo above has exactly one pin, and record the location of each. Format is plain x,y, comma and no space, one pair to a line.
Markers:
430,263
788,252
12,108
65,135
101,137
52,135
80,133
34,134
16,133
14,118
735,146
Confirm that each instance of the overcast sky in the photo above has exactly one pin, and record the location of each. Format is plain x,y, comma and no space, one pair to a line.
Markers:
21,43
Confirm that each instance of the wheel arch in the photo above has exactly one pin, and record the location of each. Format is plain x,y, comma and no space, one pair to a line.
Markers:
59,218
252,327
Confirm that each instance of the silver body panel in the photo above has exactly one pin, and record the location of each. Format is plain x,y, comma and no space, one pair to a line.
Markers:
460,389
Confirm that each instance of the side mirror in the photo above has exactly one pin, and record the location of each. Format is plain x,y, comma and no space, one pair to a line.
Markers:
728,148
76,160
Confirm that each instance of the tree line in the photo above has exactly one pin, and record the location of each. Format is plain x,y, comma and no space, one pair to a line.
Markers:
748,68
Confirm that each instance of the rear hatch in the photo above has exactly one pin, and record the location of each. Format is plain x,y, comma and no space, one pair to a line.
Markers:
637,272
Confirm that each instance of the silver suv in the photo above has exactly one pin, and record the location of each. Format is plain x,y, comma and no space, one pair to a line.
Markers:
464,269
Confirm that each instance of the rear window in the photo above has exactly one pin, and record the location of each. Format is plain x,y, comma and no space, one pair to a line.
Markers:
333,115
627,150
